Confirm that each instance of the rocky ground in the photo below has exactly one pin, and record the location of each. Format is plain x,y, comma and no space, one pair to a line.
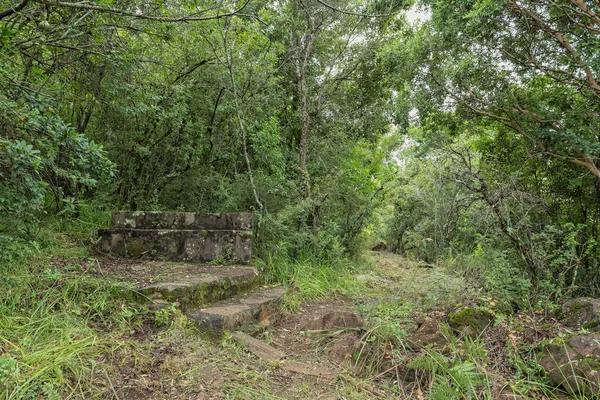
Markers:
415,331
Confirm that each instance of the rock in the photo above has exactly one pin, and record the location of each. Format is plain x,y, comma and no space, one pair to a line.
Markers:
333,320
427,334
555,360
257,347
345,348
470,320
583,312
268,317
346,319
586,345
574,364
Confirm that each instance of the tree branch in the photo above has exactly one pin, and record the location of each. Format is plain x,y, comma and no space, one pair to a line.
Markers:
562,41
188,18
13,10
333,8
583,159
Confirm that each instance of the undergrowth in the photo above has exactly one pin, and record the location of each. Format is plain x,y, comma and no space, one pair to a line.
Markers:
309,278
55,325
64,333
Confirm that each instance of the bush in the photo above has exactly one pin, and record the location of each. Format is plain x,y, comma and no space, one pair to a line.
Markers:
497,272
43,162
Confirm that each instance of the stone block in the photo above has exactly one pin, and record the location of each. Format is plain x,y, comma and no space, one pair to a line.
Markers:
179,245
181,220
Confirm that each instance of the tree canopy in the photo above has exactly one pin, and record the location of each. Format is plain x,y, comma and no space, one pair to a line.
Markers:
337,123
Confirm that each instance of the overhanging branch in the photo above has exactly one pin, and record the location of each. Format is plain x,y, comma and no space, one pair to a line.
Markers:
116,11
13,10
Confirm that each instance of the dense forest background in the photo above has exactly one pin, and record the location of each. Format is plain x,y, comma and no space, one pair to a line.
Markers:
468,137
462,135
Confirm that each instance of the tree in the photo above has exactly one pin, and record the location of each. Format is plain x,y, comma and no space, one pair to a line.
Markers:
529,65
514,83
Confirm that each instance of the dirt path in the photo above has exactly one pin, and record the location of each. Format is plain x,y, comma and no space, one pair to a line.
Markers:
335,348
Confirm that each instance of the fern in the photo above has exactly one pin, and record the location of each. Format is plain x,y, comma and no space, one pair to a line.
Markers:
50,392
442,389
433,362
465,378
458,381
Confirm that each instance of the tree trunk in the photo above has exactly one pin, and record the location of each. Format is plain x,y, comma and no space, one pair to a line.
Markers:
305,114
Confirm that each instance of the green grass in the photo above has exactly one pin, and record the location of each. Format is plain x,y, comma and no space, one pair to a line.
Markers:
310,279
54,328
58,326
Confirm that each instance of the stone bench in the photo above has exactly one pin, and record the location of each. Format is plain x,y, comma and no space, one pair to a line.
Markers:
177,236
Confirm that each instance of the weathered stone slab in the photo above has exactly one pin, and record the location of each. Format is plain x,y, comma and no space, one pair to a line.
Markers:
181,220
333,320
257,347
207,284
178,245
237,312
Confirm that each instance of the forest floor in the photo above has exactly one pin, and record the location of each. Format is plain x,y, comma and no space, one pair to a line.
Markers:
158,362
134,354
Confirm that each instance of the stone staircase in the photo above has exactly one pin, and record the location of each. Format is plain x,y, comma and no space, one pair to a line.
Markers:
175,249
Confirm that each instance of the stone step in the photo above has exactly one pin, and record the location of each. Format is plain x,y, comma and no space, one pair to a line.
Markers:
178,245
257,347
239,311
181,220
268,353
195,286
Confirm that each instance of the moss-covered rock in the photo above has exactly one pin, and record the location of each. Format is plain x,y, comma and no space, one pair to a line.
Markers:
573,363
471,320
582,312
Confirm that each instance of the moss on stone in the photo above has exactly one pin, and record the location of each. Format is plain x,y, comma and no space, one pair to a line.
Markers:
246,235
134,247
474,318
203,294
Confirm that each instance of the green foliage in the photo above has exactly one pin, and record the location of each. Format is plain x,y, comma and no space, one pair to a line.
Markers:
432,361
481,205
203,116
496,272
461,381
453,377
164,316
43,159
498,134
15,252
